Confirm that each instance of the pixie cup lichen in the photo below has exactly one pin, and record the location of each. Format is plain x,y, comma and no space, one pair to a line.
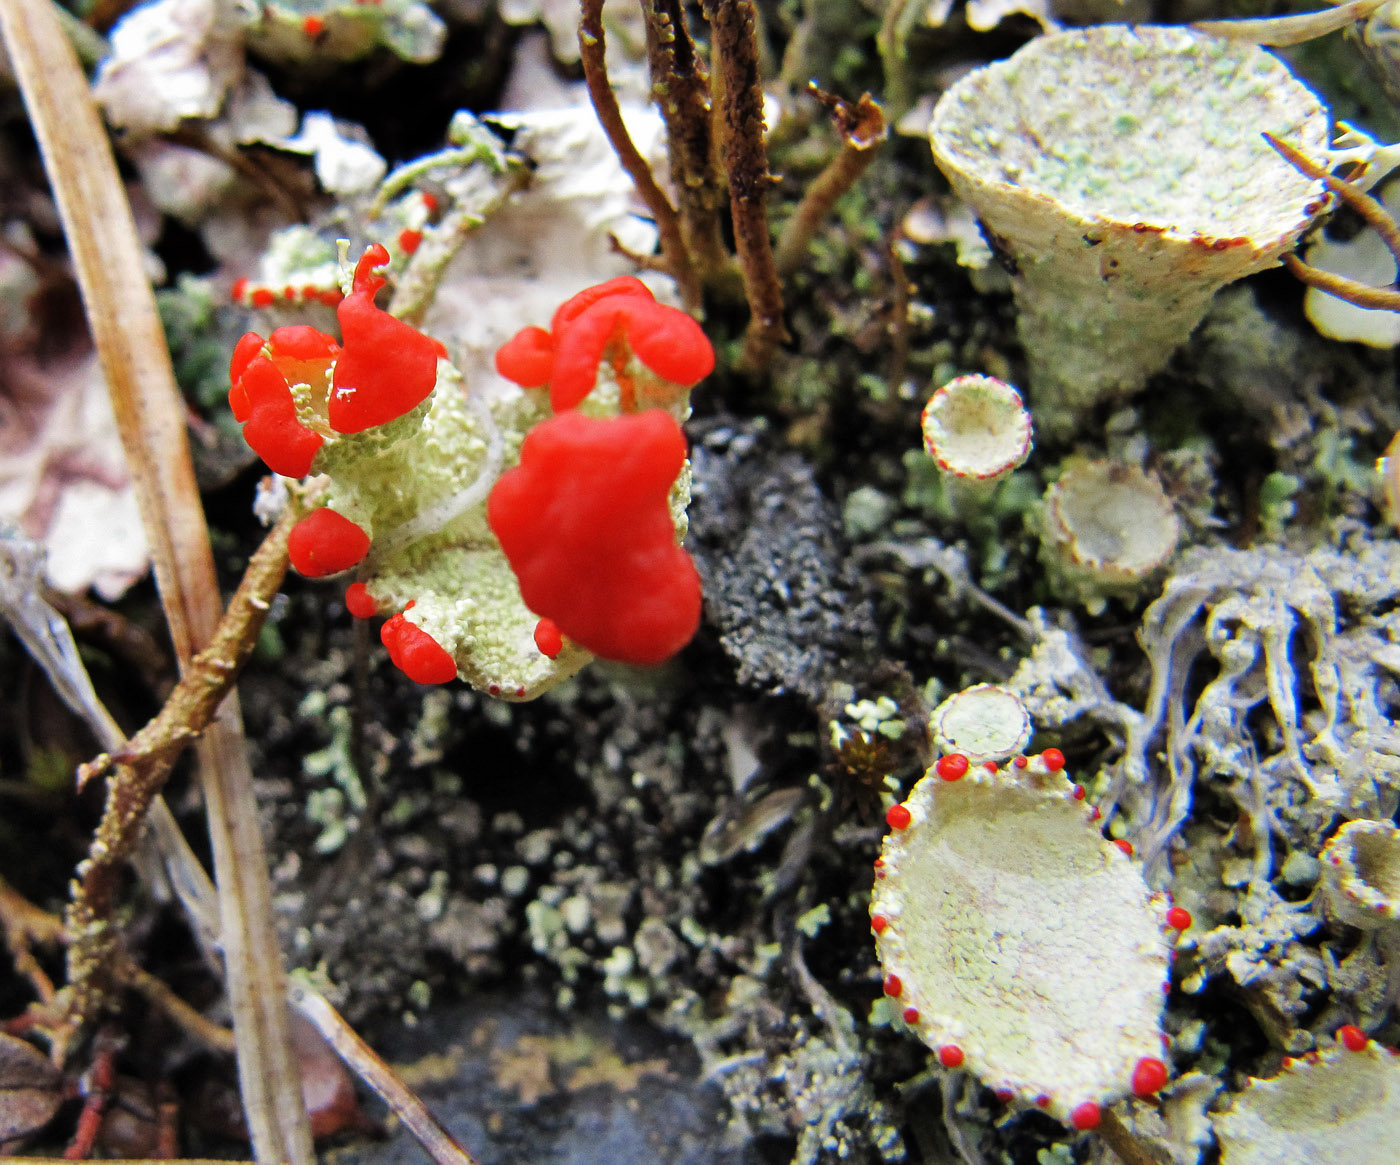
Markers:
1361,874
1108,530
983,723
509,538
1018,942
1122,171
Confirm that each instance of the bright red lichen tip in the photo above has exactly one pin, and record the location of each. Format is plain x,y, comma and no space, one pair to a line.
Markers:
950,1056
898,817
359,602
1086,1116
1149,1076
952,767
386,367
261,398
325,543
548,639
1352,1037
1179,918
585,521
416,653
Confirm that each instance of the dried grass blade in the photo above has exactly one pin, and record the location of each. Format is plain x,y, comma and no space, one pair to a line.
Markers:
121,310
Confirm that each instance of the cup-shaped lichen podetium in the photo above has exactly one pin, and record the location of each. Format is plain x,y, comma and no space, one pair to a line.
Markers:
1122,170
1017,941
1109,529
1339,1104
983,723
977,430
1361,874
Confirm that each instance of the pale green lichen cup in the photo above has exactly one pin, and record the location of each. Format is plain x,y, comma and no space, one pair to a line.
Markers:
1122,170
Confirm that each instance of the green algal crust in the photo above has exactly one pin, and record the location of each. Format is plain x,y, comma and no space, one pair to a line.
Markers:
1122,169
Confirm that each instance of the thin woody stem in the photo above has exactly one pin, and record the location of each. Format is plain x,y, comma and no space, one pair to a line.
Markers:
862,128
680,84
745,156
141,766
1351,290
1370,209
1118,1137
592,44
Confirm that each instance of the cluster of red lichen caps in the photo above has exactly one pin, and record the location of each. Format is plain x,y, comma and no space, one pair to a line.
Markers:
585,518
612,320
381,369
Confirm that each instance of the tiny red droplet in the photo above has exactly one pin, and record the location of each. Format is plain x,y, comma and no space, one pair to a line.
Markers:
1149,1076
990,766
359,602
898,817
911,1015
1086,1116
893,987
878,922
1078,792
548,638
493,689
1179,918
1053,759
1042,1101
1125,846
1020,761
879,863
1005,1095
1095,813
313,26
950,1056
430,202
236,292
1353,1038
289,293
262,297
952,767
409,241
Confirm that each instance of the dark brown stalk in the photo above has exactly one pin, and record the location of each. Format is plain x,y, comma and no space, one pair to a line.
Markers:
745,156
681,86
592,45
862,128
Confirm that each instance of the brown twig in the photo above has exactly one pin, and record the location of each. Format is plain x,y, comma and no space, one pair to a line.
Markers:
1118,1137
366,1063
25,924
745,157
155,992
139,770
1376,217
681,86
592,44
108,259
861,125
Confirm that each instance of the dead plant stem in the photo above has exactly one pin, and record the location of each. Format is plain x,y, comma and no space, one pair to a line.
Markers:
592,44
109,261
745,157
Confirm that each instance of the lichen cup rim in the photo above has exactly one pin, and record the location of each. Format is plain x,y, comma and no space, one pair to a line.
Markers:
1271,216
